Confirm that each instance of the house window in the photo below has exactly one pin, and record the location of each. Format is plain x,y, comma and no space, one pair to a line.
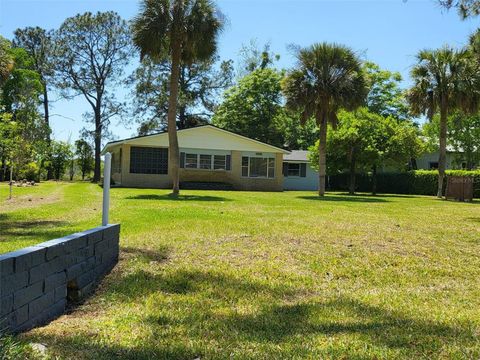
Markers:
191,161
271,168
245,166
205,161
258,167
293,169
433,165
148,160
219,162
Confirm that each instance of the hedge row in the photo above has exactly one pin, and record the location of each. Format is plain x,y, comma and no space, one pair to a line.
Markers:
419,182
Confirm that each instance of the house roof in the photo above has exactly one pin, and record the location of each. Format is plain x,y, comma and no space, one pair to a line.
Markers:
198,138
296,155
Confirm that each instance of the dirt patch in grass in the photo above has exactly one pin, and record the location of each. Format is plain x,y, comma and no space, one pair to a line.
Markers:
32,201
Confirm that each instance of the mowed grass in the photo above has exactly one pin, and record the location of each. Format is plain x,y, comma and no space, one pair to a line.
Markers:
217,275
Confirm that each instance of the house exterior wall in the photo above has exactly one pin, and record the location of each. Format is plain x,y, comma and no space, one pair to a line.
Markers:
453,161
123,177
307,183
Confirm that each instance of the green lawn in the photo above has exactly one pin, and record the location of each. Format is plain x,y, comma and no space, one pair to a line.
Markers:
265,275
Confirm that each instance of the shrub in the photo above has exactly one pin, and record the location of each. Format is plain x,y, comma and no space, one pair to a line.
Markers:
419,182
29,171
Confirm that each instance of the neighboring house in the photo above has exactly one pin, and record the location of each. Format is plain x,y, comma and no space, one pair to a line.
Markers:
297,173
207,155
455,161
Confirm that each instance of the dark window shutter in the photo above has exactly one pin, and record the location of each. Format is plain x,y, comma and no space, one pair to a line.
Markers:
285,169
303,170
228,162
182,160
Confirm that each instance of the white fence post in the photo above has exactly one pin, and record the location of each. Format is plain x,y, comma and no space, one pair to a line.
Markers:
107,165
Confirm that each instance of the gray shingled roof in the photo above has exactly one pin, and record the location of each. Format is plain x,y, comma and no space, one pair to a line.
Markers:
296,155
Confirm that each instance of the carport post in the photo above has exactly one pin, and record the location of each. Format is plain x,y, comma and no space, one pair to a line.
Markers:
107,165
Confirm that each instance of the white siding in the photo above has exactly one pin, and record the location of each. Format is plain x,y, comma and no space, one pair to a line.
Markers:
309,182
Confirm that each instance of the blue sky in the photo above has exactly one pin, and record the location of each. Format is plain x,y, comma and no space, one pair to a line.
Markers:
388,32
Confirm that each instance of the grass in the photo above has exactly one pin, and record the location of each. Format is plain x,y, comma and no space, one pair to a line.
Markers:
217,274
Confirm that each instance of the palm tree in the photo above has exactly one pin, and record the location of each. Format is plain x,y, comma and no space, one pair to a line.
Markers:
443,82
328,77
184,31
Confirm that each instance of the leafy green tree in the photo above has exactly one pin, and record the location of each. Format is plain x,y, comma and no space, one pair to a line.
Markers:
92,51
6,60
463,135
442,82
10,137
365,141
22,89
61,156
200,85
84,153
40,47
385,97
20,96
328,77
182,31
297,136
253,107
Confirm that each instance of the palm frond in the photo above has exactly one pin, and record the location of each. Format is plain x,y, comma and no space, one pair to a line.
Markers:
327,77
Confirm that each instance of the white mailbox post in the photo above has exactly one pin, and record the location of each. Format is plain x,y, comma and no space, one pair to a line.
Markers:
107,166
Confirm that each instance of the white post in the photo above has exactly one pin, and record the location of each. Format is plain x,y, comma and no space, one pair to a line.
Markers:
107,165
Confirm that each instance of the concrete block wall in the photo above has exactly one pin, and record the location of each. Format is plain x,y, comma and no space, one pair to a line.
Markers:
37,282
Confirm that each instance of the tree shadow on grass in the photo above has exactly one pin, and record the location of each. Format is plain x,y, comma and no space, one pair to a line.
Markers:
373,324
41,230
185,281
159,254
196,303
345,198
171,197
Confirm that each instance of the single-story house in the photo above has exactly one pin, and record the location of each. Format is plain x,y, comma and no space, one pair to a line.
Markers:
456,160
297,173
207,155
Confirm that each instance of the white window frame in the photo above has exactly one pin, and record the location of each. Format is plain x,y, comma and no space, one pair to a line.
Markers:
224,163
268,158
212,161
197,161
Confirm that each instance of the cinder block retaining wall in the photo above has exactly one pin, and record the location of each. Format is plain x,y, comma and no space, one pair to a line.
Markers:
37,282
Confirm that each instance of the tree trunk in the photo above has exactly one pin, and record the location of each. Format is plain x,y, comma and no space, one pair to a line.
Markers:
443,148
3,172
98,144
351,189
72,170
374,179
322,159
173,151
47,122
469,154
11,180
